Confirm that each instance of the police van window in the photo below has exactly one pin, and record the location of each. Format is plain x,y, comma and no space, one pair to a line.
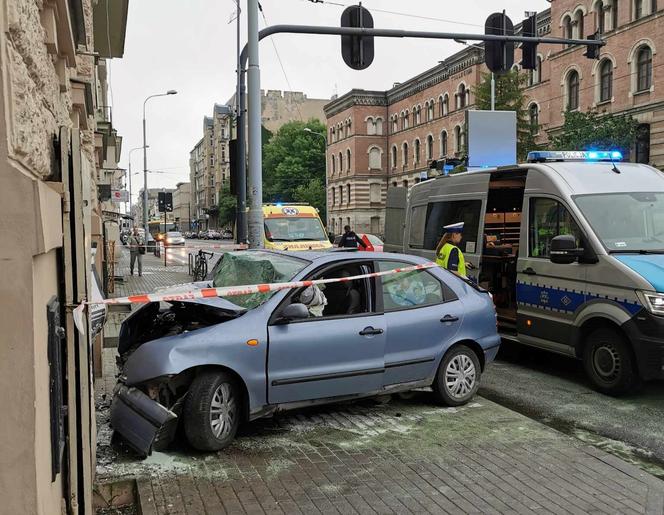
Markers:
417,218
549,218
440,214
409,289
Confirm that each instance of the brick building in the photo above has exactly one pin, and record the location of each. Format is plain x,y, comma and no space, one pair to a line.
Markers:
382,139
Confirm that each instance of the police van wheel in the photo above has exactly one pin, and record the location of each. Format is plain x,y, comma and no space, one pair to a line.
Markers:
609,362
458,376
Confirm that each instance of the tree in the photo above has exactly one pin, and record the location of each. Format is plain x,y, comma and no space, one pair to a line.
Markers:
510,96
592,130
294,164
227,206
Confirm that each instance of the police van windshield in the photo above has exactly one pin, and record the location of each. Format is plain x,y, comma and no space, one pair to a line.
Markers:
626,222
294,228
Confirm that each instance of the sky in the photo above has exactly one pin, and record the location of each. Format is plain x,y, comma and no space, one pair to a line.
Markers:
190,46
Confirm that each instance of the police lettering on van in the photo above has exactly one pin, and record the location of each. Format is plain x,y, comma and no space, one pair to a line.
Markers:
571,245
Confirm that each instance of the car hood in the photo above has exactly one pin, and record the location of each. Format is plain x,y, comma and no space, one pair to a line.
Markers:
217,302
649,266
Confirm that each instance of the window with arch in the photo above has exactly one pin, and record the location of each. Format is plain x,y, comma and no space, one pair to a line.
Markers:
533,118
446,104
348,160
614,14
334,196
347,193
443,143
605,80
416,151
643,68
350,126
371,126
393,156
379,126
418,115
331,134
458,138
341,162
341,195
461,96
406,120
405,183
374,158
639,11
430,112
404,150
535,76
572,90
440,106
600,17
429,151
578,23
567,27
333,165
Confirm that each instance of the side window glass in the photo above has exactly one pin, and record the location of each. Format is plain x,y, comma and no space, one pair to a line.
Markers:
409,289
548,219
440,214
417,218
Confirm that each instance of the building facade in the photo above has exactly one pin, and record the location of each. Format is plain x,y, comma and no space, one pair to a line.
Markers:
383,139
182,206
57,147
209,160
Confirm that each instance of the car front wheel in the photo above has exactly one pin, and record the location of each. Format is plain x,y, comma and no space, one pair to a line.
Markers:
211,413
609,362
458,376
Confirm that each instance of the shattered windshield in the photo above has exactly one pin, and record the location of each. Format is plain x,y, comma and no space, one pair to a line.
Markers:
248,268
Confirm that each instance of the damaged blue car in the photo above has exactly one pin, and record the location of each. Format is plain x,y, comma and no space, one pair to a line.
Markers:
208,365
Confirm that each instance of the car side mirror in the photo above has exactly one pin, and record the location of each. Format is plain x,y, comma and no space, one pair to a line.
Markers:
564,250
292,312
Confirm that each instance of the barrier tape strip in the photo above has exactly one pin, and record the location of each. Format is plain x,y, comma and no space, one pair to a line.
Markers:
232,291
240,246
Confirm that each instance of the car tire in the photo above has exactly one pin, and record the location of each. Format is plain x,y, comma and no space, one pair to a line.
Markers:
609,362
212,411
458,376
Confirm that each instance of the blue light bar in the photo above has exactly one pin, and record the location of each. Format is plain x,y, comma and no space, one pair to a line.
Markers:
540,156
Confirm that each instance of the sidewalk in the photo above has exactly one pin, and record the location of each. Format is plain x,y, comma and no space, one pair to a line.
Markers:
408,456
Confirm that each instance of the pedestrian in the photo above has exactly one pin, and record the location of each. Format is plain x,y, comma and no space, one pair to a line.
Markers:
350,239
136,251
448,254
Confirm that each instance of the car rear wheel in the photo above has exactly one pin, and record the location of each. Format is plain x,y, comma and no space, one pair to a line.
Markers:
609,362
211,413
458,376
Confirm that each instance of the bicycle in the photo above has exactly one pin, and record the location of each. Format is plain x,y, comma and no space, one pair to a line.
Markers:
200,267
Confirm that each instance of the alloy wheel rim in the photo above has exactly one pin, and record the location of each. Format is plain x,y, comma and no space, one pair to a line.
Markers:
223,411
460,376
606,361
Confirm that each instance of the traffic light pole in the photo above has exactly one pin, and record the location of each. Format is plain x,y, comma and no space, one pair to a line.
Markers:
255,172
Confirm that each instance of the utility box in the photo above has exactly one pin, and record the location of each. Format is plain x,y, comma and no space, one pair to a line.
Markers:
491,138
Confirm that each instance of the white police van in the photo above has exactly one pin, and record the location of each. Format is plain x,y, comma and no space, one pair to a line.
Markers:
571,245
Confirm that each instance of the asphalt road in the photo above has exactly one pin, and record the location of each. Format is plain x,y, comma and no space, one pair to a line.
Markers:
179,255
553,389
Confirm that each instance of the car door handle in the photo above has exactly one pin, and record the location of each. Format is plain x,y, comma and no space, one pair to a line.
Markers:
449,318
370,331
529,271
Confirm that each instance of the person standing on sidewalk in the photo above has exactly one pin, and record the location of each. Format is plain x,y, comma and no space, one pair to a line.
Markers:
350,239
136,251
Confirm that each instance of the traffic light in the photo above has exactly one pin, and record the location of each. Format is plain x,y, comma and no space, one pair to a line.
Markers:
357,51
161,201
529,50
168,202
499,55
592,51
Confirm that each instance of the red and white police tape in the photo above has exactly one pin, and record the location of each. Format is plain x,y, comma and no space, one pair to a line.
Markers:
232,291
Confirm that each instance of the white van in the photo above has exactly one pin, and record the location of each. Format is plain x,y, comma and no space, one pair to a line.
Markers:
571,245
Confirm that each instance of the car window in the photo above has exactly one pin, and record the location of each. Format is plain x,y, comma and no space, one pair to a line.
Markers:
548,219
374,240
409,289
440,214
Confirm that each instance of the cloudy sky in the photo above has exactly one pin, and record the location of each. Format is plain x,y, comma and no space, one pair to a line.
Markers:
190,46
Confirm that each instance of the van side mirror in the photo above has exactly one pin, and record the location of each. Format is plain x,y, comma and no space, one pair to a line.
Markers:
564,250
292,312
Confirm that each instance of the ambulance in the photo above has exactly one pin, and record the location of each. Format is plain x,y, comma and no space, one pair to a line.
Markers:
293,227
571,246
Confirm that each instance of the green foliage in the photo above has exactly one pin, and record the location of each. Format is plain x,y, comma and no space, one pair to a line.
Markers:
592,130
227,207
294,165
510,96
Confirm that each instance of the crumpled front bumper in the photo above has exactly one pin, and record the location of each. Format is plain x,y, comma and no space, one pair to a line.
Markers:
140,420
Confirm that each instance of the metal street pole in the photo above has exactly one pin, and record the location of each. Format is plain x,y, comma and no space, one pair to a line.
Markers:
145,163
240,120
254,104
493,91
130,191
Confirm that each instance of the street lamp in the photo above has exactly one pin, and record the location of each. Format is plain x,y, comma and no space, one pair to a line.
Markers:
493,75
130,152
327,213
145,161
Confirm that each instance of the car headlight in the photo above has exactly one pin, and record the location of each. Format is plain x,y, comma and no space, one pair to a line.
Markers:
653,302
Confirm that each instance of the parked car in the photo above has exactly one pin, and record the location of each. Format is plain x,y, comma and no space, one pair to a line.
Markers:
209,364
227,234
373,243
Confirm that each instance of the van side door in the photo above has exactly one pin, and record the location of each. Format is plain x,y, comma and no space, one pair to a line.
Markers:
548,294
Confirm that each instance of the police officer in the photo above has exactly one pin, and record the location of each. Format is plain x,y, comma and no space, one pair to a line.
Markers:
448,255
350,239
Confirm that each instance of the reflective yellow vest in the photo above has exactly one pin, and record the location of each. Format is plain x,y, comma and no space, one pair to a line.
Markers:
444,256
